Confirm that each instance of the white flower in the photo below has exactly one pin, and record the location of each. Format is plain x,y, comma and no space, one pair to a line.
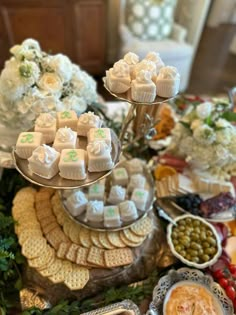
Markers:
29,72
222,123
31,44
84,86
223,136
204,110
75,103
62,65
204,135
50,82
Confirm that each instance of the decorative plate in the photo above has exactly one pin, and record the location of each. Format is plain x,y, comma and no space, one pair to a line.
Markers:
180,257
127,96
99,226
58,182
186,274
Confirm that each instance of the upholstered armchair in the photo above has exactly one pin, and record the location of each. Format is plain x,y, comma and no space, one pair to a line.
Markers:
180,47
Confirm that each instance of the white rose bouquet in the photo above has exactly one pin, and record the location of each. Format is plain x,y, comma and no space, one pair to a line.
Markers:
33,81
206,138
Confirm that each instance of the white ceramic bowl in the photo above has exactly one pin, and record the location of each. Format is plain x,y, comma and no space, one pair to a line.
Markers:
180,257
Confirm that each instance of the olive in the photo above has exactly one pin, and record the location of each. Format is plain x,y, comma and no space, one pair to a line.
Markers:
203,236
175,242
195,259
205,257
205,244
174,235
194,245
181,222
194,237
178,248
192,252
183,253
197,230
181,234
209,233
196,223
188,221
210,251
200,252
211,240
182,228
188,257
185,241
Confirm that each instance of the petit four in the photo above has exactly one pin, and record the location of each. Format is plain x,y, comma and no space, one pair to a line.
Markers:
168,82
128,211
146,65
68,119
76,203
44,161
142,88
47,125
116,195
136,181
27,142
155,57
96,191
120,176
98,134
131,59
140,197
118,77
87,121
95,211
65,139
72,164
111,216
99,157
134,166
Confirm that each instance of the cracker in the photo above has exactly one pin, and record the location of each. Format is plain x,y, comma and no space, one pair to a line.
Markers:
52,269
132,236
27,233
50,191
81,258
42,195
62,273
74,233
95,239
96,256
127,241
72,252
104,240
51,226
47,220
55,237
77,279
61,218
142,227
33,246
44,258
115,240
62,249
84,237
66,227
26,225
25,195
118,257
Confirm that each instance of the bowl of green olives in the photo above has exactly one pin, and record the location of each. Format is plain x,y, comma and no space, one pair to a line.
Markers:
194,241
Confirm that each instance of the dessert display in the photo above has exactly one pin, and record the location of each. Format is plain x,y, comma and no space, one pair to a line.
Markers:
110,206
67,158
144,80
194,241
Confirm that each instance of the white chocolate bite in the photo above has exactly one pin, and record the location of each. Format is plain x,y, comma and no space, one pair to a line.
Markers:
47,125
146,65
87,121
120,176
168,82
155,57
44,161
142,88
72,164
65,139
118,77
116,195
100,134
95,211
27,142
111,216
128,211
136,181
140,197
76,203
67,118
96,192
99,157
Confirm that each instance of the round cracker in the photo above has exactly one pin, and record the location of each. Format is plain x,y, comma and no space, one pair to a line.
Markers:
132,236
105,241
115,240
26,233
43,259
127,241
62,273
95,239
74,233
142,227
33,246
52,269
84,237
77,279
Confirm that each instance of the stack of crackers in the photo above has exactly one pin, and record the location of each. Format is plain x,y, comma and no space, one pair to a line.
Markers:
63,250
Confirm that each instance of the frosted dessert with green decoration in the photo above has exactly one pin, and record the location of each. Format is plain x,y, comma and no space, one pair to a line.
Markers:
120,176
27,142
128,211
47,125
72,164
99,157
95,211
76,203
65,138
87,121
136,181
112,216
67,118
116,195
100,134
44,161
140,197
96,192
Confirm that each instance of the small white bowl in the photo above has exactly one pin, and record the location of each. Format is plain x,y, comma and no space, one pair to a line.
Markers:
181,258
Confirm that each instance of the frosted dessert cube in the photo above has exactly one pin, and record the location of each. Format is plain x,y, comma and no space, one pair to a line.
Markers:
27,142
96,192
99,157
98,134
95,211
111,216
68,118
44,161
47,125
136,181
134,166
65,139
87,121
76,203
128,211
116,195
72,164
120,176
140,197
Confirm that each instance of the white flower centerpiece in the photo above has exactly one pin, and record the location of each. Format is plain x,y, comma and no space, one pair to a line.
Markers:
206,139
33,81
